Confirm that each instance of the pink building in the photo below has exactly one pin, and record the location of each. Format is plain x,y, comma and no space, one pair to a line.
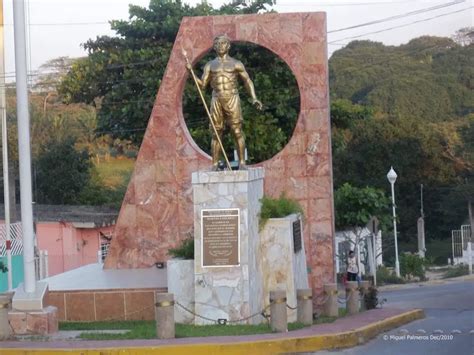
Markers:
71,244
72,235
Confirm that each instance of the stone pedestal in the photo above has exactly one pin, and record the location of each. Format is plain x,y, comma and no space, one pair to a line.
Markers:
5,306
330,306
352,298
228,282
29,316
41,322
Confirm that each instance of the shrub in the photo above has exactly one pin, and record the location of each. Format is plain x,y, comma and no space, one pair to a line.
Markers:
278,208
185,250
132,154
371,299
385,276
411,265
3,267
458,270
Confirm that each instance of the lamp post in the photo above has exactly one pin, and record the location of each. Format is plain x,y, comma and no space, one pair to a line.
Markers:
392,177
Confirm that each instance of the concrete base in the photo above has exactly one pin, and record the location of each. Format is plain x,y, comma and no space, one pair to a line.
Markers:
40,322
232,292
24,301
29,316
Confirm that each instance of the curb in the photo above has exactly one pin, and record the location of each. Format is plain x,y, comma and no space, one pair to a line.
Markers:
268,347
425,283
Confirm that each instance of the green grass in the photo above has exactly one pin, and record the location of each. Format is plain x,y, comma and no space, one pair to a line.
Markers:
146,329
116,171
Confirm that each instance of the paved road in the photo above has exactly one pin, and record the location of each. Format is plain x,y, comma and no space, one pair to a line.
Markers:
447,329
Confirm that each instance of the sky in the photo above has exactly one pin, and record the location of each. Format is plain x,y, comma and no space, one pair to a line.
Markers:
58,27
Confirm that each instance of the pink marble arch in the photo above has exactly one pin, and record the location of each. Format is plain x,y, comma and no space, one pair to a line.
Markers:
157,211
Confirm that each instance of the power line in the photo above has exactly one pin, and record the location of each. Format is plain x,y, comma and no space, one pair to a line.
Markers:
65,24
399,26
396,17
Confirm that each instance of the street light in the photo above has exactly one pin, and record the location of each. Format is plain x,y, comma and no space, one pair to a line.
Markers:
392,177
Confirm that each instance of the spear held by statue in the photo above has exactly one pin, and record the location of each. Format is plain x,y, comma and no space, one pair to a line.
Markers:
190,68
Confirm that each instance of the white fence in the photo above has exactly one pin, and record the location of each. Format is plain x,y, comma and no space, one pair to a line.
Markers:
16,237
460,238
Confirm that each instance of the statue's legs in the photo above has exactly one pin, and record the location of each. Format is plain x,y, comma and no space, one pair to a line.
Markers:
234,120
216,148
240,143
217,116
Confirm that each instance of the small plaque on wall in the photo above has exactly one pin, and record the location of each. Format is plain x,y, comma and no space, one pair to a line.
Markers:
297,236
220,237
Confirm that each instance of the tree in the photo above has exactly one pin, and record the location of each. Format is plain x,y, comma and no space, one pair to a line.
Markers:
121,74
61,173
354,208
464,36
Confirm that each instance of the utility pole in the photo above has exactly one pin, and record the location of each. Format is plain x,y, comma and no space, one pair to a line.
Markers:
6,182
421,201
469,243
421,227
24,149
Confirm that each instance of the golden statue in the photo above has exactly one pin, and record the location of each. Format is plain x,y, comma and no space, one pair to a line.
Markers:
222,74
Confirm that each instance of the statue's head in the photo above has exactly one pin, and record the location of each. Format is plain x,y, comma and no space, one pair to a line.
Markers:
221,44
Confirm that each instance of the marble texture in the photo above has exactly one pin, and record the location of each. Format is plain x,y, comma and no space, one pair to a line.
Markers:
230,292
39,322
282,268
157,211
181,285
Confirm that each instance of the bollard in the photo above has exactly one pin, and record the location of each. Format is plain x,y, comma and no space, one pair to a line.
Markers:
330,307
305,306
352,298
278,316
164,315
5,306
364,290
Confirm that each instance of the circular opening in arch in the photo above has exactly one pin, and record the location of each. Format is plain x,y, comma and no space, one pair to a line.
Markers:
267,131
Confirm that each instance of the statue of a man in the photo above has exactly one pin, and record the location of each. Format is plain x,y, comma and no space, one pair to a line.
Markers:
222,74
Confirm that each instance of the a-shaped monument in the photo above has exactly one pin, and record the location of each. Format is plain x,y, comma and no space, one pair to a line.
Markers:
157,212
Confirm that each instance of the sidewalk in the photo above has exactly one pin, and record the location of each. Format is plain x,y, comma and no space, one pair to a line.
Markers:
425,283
344,332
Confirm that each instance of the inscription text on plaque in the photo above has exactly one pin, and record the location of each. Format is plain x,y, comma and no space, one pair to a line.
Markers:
220,237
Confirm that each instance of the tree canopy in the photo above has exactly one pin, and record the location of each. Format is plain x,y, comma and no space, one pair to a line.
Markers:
356,206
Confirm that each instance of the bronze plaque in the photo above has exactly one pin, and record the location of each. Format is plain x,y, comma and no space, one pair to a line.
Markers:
220,237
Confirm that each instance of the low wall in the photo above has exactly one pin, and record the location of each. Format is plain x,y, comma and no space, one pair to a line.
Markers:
103,305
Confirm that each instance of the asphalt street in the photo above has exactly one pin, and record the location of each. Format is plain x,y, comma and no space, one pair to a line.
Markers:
447,329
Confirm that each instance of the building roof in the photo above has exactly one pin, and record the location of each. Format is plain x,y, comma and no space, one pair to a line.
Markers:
83,216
